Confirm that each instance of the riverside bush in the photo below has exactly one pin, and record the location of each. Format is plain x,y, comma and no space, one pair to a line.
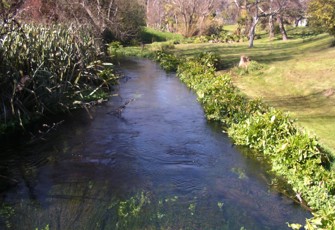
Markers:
168,62
294,156
161,46
217,94
47,69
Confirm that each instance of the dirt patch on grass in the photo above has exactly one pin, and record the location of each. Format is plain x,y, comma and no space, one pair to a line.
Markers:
329,92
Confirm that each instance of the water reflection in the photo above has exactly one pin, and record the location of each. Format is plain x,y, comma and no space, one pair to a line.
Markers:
157,165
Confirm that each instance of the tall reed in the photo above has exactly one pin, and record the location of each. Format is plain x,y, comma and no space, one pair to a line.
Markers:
47,69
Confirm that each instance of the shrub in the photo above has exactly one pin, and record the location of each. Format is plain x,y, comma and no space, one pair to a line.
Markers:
218,95
114,49
294,155
47,69
200,39
162,46
168,62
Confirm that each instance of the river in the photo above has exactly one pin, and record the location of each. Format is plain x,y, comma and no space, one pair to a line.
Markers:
147,160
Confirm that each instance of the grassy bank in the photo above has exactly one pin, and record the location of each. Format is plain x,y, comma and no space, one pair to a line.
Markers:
293,76
298,76
293,154
302,85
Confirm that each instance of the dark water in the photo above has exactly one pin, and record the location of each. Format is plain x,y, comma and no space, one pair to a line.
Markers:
147,160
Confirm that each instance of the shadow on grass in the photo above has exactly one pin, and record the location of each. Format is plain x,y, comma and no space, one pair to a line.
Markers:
264,51
315,103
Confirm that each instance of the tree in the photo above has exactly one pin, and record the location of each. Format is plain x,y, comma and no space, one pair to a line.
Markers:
271,9
289,9
114,19
192,13
322,14
155,14
296,11
111,19
255,11
188,17
10,8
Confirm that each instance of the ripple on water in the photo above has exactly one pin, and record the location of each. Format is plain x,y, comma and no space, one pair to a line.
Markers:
160,145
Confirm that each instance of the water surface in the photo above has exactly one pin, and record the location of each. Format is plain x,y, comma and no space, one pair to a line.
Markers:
147,160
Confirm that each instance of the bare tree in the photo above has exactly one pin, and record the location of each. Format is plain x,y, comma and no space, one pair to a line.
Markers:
266,8
155,14
255,11
119,18
286,9
192,14
111,19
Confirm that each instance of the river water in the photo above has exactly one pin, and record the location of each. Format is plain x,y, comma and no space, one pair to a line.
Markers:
147,160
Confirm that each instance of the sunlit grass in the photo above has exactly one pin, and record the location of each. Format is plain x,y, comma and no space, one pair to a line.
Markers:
299,77
149,35
303,85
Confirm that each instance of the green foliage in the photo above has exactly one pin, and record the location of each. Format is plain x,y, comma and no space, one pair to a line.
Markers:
114,49
133,206
218,95
129,210
240,172
46,69
6,212
192,208
223,36
45,228
150,35
261,129
201,39
293,154
227,36
168,62
161,46
322,14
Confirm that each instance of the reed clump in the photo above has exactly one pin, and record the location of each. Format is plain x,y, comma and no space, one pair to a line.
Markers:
48,69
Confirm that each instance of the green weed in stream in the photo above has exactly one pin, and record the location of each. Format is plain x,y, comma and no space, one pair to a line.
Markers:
45,228
6,212
133,206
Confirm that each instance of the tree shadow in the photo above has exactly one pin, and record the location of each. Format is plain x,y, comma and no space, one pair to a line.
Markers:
265,52
312,102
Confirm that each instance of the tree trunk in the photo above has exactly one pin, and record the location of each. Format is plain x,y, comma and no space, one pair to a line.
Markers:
255,19
271,28
99,26
147,11
282,28
252,32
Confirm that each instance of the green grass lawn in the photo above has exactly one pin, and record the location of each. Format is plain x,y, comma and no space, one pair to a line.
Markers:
299,77
303,85
149,35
